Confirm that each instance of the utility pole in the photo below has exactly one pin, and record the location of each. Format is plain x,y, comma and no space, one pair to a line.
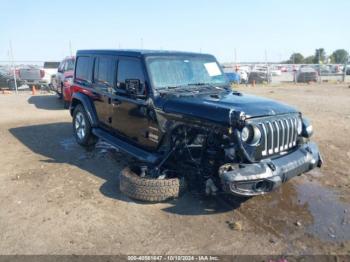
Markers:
70,48
141,43
14,67
345,68
267,68
319,65
294,71
235,56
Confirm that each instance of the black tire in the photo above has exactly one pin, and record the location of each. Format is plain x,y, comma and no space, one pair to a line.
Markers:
60,94
66,104
148,189
87,138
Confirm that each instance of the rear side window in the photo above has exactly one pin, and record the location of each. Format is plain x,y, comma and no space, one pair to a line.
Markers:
129,69
104,72
83,69
51,65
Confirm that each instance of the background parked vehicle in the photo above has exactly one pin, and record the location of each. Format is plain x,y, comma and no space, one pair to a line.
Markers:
50,69
259,77
306,75
244,76
276,72
347,69
3,79
233,77
65,69
67,89
28,76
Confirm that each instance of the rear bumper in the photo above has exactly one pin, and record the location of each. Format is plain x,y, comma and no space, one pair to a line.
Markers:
260,178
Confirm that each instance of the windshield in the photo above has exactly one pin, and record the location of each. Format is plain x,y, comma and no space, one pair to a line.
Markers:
180,71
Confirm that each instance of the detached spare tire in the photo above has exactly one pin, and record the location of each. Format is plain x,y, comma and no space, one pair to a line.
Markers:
150,189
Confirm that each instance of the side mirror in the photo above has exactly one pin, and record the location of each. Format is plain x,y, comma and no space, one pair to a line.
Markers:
134,87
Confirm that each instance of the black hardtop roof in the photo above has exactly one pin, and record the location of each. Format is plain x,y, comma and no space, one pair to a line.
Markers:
136,52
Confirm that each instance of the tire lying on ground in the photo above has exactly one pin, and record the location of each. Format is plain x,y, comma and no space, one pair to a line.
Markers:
148,189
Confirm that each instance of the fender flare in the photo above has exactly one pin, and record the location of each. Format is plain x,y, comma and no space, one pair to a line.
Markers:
79,98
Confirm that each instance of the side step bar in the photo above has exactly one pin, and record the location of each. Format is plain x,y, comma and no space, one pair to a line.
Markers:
132,150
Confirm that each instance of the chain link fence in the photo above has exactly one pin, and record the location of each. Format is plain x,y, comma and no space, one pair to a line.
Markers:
287,73
40,73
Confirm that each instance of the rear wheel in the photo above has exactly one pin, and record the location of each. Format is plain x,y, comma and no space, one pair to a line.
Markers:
60,94
150,189
82,127
66,104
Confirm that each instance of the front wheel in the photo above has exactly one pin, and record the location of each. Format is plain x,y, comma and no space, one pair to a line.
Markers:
82,127
150,189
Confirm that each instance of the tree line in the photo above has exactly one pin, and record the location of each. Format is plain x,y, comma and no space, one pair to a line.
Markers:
339,56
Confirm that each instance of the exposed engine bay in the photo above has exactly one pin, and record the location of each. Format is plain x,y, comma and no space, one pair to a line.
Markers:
216,159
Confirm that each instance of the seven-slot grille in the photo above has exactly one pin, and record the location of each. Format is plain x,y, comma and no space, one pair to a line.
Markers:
278,134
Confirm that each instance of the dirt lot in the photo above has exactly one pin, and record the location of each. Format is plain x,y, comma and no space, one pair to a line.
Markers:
58,198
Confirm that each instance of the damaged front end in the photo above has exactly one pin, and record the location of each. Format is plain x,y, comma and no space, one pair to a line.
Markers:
282,151
248,156
259,178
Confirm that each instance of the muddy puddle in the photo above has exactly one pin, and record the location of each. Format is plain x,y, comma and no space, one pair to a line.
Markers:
301,206
331,216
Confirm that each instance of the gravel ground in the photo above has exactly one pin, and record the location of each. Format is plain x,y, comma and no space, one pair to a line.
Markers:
58,198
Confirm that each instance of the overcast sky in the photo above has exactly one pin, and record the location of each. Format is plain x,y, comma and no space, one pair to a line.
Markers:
42,29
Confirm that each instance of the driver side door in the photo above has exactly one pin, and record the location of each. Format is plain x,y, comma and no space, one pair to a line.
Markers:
130,116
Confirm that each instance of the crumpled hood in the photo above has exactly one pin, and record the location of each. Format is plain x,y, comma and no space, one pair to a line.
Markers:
217,108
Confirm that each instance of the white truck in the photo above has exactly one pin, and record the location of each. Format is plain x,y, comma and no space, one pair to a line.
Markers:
50,69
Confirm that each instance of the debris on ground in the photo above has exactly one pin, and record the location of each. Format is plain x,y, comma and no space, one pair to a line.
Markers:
235,225
298,223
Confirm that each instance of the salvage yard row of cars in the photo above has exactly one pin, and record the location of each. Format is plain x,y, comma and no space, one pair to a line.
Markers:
252,73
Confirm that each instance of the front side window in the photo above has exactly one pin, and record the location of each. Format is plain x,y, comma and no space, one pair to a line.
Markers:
175,71
129,69
70,65
61,66
83,70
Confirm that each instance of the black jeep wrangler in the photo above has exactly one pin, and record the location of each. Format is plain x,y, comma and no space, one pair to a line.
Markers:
175,113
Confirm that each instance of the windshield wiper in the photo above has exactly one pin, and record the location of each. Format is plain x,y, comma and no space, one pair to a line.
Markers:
194,88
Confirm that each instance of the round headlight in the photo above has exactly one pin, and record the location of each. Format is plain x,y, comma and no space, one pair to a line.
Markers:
251,135
299,126
245,134
307,129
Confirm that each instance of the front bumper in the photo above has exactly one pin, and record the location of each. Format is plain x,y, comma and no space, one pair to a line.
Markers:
260,178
